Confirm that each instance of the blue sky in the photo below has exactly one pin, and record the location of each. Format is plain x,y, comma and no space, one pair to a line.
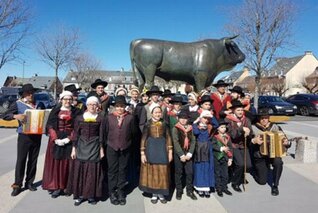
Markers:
108,26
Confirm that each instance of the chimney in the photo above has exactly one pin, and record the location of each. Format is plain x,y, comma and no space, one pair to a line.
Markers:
308,52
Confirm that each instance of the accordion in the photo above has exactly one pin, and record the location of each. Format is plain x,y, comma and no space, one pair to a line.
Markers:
35,121
273,144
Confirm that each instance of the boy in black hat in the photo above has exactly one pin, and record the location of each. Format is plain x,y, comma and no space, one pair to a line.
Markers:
184,145
171,117
262,162
119,135
223,157
28,144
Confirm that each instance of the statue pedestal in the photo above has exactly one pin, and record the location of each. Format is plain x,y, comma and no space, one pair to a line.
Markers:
306,151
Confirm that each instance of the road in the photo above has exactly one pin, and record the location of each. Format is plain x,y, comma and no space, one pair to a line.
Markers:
298,188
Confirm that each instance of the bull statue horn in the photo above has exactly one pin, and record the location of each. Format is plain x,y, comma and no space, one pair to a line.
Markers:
229,39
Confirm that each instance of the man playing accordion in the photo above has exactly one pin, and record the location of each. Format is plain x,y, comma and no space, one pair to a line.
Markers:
263,161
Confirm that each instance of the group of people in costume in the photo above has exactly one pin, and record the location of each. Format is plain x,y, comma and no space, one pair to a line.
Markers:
153,140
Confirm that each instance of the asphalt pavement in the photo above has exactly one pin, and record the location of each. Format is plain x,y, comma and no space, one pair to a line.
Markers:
298,187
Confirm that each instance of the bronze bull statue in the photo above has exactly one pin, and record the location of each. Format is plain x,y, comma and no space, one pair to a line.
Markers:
196,63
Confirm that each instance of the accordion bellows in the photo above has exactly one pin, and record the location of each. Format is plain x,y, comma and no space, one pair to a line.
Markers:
273,144
35,121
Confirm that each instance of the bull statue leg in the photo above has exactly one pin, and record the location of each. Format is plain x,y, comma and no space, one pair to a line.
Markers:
200,80
149,73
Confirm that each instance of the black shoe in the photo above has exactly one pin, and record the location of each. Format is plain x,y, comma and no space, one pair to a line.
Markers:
31,187
121,198
56,193
122,202
163,201
113,199
226,191
192,195
236,188
201,194
78,202
179,195
16,190
275,191
154,201
219,193
92,201
207,194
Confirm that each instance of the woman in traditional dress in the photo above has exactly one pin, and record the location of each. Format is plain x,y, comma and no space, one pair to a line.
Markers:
57,160
88,151
156,154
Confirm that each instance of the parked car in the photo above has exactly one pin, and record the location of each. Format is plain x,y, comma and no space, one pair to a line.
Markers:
6,101
45,99
82,97
307,104
276,105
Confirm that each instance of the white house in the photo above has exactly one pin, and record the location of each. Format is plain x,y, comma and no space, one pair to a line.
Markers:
295,70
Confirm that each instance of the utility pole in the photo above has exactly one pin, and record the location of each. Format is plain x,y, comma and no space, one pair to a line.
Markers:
23,63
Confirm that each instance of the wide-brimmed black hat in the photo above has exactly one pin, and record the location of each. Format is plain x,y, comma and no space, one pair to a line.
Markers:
120,99
222,122
183,114
27,88
205,98
220,83
72,88
167,93
262,112
153,90
236,104
238,90
177,99
99,82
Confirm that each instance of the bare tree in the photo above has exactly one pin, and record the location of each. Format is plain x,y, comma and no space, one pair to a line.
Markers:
273,85
311,85
84,64
58,49
15,18
264,26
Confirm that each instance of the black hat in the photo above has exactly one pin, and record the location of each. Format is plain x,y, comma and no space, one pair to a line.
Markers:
183,114
263,112
93,93
205,98
222,122
99,82
27,88
236,104
153,90
167,93
120,99
72,88
177,99
238,90
220,83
